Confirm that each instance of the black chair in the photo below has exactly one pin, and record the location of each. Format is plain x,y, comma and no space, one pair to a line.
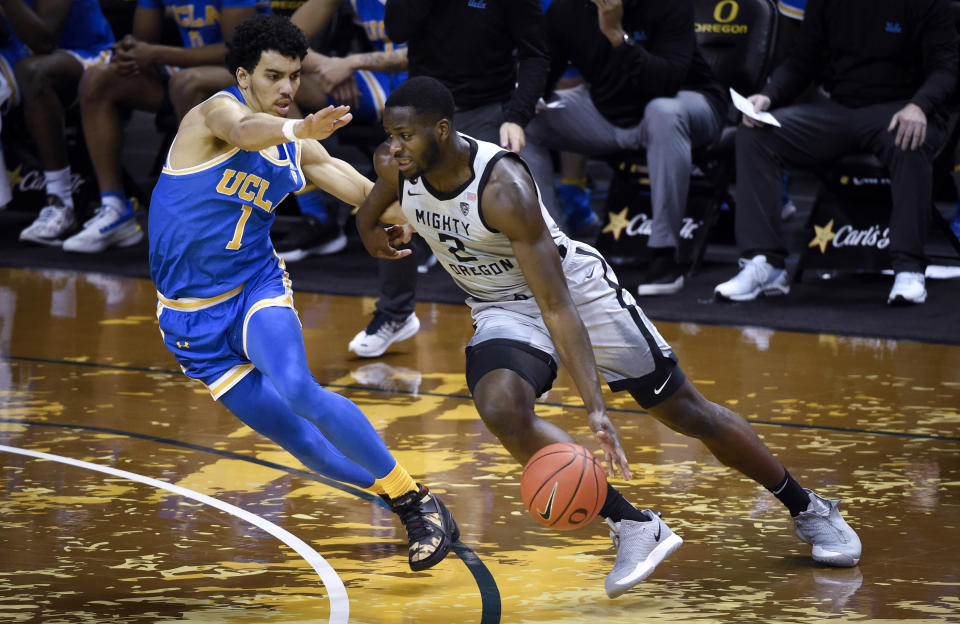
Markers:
736,37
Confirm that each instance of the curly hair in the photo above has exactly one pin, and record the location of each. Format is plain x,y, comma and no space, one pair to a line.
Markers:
259,33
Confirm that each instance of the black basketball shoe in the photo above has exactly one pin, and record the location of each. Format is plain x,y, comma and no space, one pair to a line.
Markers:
430,527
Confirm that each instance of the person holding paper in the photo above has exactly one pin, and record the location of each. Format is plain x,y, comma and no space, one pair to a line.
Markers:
888,67
647,86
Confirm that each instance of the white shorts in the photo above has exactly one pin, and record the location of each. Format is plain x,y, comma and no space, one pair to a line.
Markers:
630,352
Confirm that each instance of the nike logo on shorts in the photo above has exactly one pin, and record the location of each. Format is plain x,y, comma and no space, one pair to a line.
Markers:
664,384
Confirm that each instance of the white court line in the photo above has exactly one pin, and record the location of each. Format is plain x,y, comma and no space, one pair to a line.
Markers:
339,604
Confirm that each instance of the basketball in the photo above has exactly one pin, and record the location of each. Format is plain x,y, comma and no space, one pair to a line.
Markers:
563,486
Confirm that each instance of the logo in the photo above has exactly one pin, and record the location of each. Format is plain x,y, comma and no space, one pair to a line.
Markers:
824,234
656,537
893,27
726,11
464,208
471,196
477,4
412,194
658,391
545,514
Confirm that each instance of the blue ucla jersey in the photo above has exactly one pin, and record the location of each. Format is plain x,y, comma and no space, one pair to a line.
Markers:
199,20
792,8
86,29
209,225
371,13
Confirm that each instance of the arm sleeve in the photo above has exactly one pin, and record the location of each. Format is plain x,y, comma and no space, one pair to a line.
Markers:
529,34
938,40
804,61
402,18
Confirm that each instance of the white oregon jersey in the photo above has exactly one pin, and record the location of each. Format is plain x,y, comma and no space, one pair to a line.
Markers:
479,258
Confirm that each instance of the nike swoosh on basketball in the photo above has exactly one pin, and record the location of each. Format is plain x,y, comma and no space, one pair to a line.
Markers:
545,514
664,385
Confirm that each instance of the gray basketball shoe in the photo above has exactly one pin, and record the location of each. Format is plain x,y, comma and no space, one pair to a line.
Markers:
640,547
834,542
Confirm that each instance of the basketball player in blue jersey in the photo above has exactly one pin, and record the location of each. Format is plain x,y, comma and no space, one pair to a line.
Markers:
537,297
51,45
225,302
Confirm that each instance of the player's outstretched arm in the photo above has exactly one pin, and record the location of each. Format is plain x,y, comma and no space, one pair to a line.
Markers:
380,242
237,125
510,205
333,175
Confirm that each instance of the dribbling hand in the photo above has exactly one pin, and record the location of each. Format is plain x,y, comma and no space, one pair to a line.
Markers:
609,441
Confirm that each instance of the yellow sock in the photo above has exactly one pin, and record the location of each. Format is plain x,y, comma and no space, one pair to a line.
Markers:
375,489
581,182
396,483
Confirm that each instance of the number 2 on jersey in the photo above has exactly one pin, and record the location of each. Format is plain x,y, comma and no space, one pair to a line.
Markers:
457,248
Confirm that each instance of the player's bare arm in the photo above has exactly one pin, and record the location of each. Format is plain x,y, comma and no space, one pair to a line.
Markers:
510,205
238,126
381,206
332,174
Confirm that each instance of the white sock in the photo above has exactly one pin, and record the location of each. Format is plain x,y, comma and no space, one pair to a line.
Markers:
58,185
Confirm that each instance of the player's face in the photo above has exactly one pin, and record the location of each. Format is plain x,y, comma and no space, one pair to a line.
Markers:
413,144
274,82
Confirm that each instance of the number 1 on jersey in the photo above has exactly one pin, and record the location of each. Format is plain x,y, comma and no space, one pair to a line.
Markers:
234,244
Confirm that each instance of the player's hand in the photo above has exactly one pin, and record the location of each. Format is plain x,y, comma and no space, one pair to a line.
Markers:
323,123
609,441
347,93
512,137
383,242
760,104
400,235
910,124
334,71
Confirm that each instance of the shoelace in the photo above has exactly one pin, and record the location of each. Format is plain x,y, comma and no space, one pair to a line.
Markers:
47,215
412,518
99,212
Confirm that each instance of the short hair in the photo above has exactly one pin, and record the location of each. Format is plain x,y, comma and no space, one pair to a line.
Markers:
259,33
427,96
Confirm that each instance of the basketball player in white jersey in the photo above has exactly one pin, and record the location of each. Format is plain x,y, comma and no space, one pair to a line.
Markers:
537,297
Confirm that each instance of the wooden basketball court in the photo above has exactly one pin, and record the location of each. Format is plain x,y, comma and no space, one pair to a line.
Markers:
128,495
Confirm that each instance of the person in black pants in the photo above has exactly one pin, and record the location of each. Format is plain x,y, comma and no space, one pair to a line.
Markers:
888,67
492,55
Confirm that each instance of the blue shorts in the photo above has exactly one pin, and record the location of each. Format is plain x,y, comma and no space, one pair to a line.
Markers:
209,336
374,89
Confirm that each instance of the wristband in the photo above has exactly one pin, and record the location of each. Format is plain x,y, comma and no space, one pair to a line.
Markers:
288,129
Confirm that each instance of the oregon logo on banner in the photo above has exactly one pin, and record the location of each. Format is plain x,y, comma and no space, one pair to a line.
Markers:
724,14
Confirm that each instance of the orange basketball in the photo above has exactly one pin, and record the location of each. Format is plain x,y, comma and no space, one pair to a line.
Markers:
563,486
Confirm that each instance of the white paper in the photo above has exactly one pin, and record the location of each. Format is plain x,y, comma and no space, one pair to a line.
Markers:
746,107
